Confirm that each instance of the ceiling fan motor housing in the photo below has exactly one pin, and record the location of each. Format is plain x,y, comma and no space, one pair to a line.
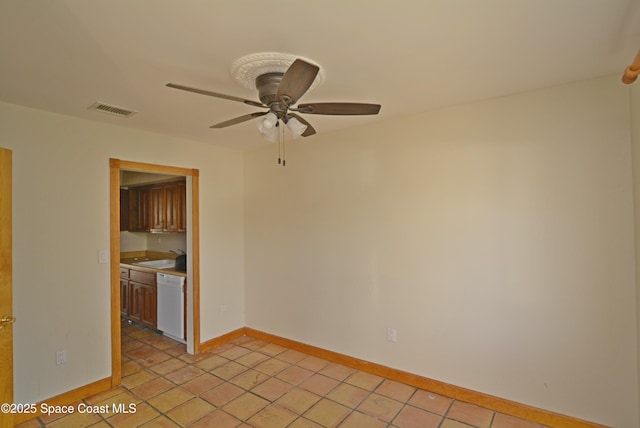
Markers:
267,85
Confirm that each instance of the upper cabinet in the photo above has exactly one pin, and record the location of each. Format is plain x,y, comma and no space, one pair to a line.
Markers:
138,214
181,206
156,208
168,207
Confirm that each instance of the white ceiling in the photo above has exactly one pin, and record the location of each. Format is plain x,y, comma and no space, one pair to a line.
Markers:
408,55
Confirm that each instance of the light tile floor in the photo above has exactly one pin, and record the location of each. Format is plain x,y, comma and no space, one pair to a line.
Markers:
251,383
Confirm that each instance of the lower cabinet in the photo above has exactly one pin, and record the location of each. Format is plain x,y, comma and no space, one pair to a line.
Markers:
142,304
124,295
138,296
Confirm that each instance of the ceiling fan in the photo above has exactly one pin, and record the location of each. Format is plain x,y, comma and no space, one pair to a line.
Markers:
279,92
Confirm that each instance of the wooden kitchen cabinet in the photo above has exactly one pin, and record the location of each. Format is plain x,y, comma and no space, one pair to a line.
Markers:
181,206
155,208
139,209
166,205
124,209
138,296
144,210
124,297
143,304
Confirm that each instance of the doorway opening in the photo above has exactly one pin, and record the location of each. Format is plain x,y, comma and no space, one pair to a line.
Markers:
117,168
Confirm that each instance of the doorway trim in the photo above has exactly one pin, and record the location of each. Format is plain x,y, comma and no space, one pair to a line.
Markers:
115,166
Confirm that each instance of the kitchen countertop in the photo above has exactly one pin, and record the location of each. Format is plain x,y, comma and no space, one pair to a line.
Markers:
129,262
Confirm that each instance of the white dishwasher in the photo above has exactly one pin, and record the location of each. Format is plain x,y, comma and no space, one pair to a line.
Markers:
171,305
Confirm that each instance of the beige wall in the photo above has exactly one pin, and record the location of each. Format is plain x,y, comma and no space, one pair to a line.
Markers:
496,238
61,220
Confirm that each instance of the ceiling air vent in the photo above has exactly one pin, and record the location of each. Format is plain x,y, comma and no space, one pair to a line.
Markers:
118,111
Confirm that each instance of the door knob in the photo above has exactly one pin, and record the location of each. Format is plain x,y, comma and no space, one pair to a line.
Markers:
7,319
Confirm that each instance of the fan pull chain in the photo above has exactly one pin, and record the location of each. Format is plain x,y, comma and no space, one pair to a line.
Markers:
284,162
279,148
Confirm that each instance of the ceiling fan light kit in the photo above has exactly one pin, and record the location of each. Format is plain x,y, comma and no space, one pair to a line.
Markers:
296,127
268,127
281,79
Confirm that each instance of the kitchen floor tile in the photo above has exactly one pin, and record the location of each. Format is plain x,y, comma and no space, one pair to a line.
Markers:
360,420
294,375
169,366
252,359
506,421
272,349
138,378
470,414
229,370
380,407
272,417
298,400
76,420
190,411
159,422
450,423
152,388
202,383
184,374
245,406
348,395
327,413
217,419
337,371
364,380
170,399
397,391
222,394
143,414
272,366
272,389
412,417
432,402
291,356
249,379
312,363
319,384
211,362
248,382
234,352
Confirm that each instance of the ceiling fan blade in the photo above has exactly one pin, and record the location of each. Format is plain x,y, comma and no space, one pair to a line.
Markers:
296,80
309,131
339,108
238,119
215,94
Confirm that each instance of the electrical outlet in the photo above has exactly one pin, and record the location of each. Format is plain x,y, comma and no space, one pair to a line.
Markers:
391,334
223,309
61,357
